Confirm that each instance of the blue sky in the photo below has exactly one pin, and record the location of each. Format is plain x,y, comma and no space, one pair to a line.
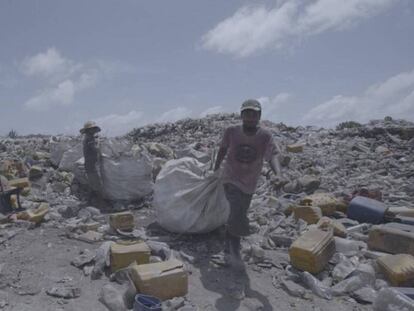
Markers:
128,63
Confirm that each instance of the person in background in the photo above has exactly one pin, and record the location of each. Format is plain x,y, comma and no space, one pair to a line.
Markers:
93,162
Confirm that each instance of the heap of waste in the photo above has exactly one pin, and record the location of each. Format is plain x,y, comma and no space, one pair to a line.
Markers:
338,226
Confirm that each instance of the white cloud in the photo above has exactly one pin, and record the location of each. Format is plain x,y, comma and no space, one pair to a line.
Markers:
393,97
211,110
63,78
254,28
272,106
116,124
174,115
47,64
61,95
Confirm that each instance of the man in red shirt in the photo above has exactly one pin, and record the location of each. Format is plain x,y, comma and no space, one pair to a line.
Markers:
245,147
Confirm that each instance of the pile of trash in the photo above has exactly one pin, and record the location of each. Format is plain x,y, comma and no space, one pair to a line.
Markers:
343,211
337,225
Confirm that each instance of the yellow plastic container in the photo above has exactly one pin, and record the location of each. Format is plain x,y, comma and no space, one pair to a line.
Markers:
35,215
164,280
325,201
400,211
122,255
391,240
398,269
310,214
295,148
20,183
312,250
326,223
123,221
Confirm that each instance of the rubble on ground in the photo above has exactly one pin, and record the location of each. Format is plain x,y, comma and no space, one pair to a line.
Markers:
307,209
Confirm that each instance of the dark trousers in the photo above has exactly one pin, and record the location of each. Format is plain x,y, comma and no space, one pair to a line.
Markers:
238,222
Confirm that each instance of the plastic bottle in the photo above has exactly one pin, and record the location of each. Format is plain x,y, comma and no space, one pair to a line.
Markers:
346,245
392,300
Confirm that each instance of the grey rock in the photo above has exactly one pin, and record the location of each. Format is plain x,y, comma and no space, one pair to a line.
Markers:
380,284
344,268
349,285
84,214
4,299
69,211
66,292
93,210
174,304
316,286
281,240
111,298
293,288
59,187
251,304
365,295
102,260
309,183
35,172
257,252
293,187
84,258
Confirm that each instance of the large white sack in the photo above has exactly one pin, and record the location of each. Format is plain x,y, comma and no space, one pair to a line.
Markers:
57,149
126,175
127,178
69,157
66,153
187,202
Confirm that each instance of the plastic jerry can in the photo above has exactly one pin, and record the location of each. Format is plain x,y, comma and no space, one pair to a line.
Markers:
325,201
36,216
122,255
367,210
164,280
399,226
391,240
398,269
312,250
401,211
123,221
310,214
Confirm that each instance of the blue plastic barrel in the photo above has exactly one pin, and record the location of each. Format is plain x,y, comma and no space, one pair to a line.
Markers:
366,210
147,303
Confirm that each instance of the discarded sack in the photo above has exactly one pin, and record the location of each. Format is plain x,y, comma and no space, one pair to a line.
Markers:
126,176
187,202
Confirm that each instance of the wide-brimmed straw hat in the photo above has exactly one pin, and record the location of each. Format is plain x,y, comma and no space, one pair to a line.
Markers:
88,126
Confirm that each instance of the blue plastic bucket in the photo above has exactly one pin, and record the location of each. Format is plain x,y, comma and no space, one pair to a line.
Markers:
147,303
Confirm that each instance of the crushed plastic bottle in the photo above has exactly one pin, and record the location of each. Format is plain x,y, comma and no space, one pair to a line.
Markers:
392,300
345,245
316,286
359,228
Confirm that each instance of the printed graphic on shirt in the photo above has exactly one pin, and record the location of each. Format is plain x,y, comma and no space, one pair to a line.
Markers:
245,153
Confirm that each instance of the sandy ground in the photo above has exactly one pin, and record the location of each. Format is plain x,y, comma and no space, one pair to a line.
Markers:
36,260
